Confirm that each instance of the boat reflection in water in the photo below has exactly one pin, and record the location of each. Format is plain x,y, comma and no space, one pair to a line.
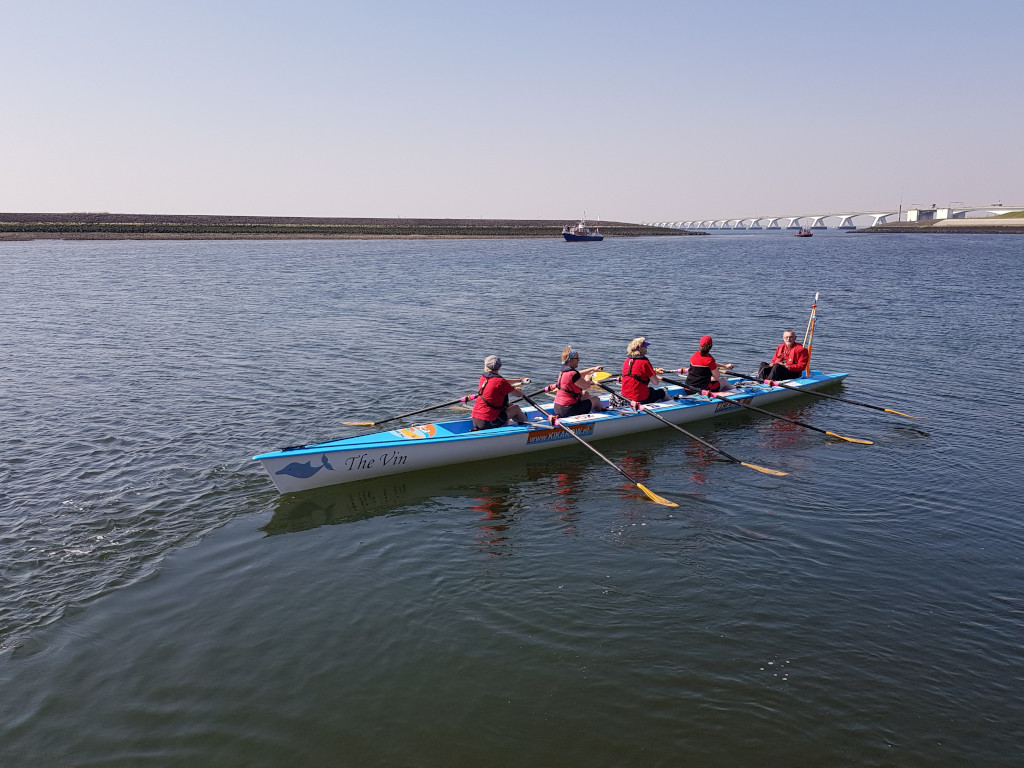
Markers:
565,502
497,490
498,510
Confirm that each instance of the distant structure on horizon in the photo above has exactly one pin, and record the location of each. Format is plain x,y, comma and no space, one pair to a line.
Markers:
817,220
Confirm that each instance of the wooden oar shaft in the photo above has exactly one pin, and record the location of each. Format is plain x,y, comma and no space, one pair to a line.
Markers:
766,413
650,494
580,440
809,334
805,425
463,399
689,434
703,442
829,397
810,320
538,392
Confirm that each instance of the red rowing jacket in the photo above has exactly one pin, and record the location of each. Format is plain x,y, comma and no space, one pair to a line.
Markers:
636,373
795,358
698,376
493,390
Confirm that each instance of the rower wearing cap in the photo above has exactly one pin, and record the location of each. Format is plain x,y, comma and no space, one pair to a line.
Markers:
572,399
638,374
703,371
491,409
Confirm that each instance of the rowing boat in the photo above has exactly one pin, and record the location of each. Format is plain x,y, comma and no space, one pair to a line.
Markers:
423,446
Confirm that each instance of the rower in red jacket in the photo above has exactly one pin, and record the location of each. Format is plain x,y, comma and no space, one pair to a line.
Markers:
638,374
789,362
702,374
491,409
572,399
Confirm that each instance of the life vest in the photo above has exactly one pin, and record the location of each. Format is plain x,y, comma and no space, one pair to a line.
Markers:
635,386
485,390
573,393
629,371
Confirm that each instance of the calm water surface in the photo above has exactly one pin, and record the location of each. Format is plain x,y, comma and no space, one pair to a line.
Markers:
161,604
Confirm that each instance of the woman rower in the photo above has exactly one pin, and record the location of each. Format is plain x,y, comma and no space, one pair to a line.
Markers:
571,399
638,374
703,371
491,408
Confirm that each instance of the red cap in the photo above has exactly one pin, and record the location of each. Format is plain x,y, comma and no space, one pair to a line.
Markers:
704,340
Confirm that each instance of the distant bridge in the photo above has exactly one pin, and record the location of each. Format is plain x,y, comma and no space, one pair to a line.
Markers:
845,220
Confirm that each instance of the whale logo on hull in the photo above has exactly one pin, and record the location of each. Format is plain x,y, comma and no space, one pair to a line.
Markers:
305,469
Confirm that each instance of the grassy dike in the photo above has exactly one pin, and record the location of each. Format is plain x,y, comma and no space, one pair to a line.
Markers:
124,226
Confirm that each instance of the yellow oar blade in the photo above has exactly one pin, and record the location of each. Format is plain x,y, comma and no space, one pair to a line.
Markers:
849,439
358,423
601,376
900,413
776,472
655,497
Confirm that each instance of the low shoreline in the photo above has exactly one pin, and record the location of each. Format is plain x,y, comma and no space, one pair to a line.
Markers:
979,226
122,226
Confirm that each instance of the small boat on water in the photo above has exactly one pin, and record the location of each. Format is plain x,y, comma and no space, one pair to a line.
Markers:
581,231
804,233
423,446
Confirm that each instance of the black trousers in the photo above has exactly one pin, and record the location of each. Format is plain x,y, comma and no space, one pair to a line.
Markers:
777,372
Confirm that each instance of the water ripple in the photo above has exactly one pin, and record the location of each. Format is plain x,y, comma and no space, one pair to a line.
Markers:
544,588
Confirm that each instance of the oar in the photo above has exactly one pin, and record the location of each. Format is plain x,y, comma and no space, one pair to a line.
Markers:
465,399
647,491
549,388
692,436
822,394
805,425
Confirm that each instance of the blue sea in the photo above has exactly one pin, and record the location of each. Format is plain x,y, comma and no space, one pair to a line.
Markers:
162,605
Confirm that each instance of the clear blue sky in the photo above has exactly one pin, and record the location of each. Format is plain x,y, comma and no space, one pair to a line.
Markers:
628,110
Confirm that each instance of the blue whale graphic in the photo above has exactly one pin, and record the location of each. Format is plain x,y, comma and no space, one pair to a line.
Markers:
305,469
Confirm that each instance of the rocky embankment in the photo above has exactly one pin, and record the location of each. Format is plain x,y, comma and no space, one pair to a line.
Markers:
124,226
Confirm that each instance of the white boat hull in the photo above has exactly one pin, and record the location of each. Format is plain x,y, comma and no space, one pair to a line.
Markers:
424,446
